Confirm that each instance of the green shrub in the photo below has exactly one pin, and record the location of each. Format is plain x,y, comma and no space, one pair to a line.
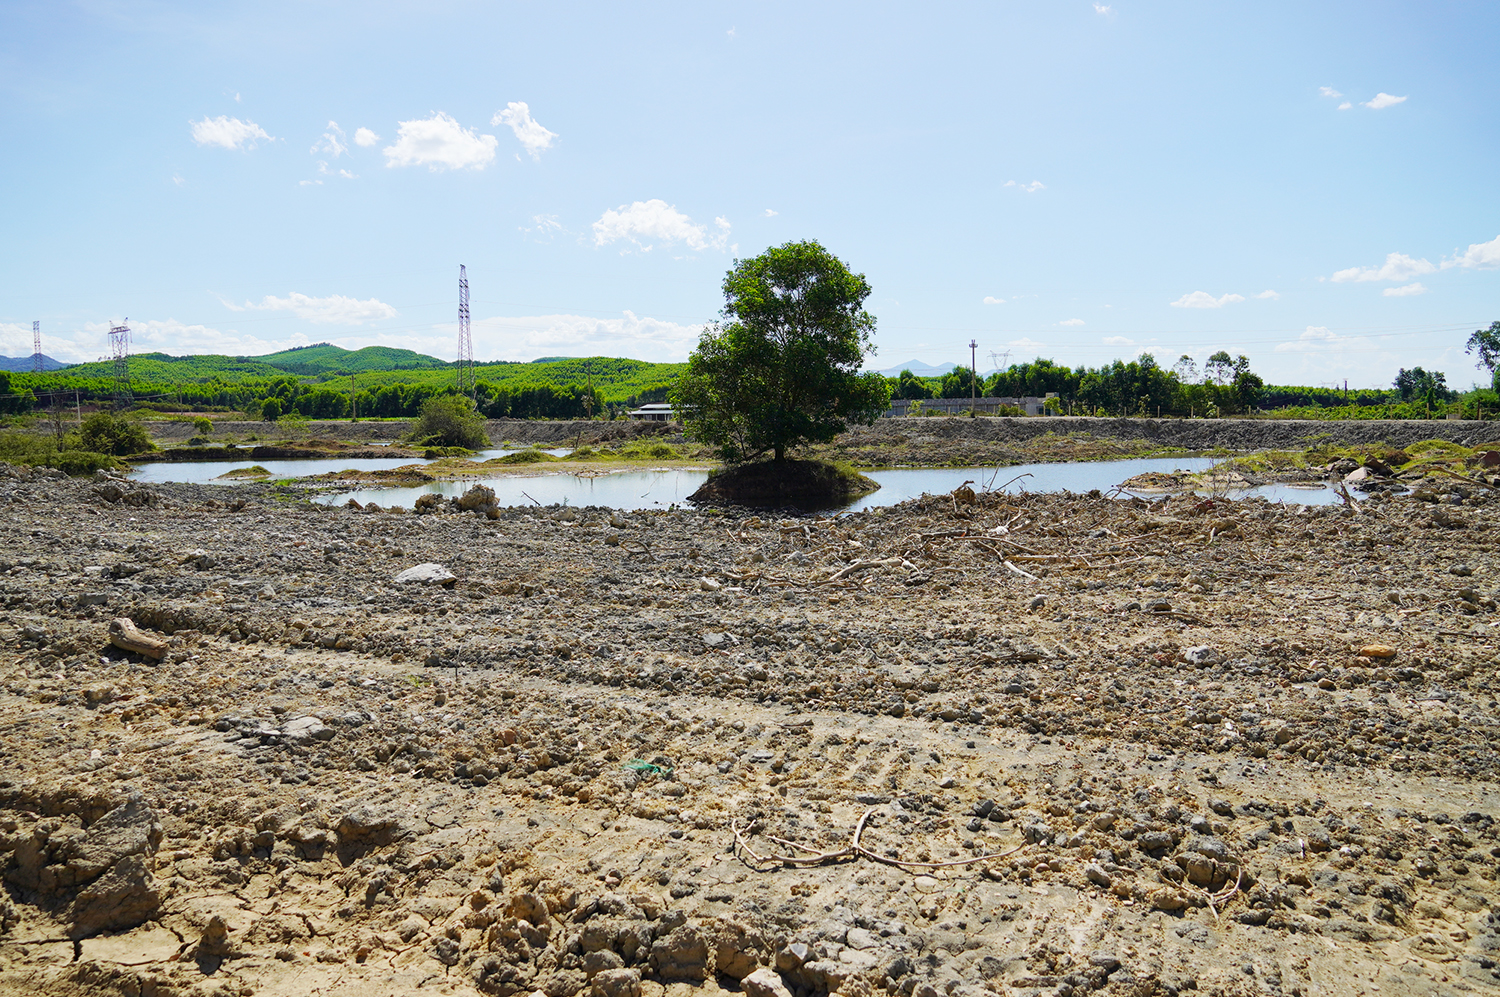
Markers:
203,426
106,433
76,462
449,421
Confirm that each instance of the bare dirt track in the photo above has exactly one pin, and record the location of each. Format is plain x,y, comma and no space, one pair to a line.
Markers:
1181,746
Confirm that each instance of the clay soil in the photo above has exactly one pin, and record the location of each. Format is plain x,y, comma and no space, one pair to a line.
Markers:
1050,745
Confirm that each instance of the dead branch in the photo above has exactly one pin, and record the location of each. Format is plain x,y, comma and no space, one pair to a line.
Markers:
124,635
855,849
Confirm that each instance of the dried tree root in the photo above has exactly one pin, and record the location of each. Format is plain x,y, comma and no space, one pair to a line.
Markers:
124,635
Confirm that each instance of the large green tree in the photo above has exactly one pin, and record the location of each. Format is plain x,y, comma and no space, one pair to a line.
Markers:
1487,343
781,367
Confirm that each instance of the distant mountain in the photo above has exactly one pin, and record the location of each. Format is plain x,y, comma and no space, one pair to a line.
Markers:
552,359
26,363
325,358
919,368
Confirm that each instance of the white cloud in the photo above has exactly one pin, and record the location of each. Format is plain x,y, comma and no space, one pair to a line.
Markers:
1030,188
1479,256
1320,339
989,300
1397,266
1071,321
1202,299
1382,101
236,97
177,179
1345,105
1101,8
365,137
1329,92
528,130
1118,341
543,227
309,183
657,220
231,133
440,142
1405,290
336,308
323,169
332,142
770,214
1269,296
528,337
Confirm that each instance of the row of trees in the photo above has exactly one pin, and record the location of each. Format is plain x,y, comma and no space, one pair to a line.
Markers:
1136,387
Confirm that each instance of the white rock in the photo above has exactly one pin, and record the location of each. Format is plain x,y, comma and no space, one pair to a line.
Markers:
427,574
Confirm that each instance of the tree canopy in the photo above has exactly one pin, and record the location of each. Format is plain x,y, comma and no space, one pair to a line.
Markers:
781,367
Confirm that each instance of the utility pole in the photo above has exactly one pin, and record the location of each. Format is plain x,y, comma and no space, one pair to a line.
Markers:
973,378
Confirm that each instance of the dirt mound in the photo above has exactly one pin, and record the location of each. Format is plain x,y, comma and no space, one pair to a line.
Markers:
784,484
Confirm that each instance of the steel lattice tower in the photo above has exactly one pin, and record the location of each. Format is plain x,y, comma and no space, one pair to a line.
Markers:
119,344
465,341
36,347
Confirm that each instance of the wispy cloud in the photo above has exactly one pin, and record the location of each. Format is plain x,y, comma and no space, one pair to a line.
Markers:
1268,296
1405,290
1117,341
533,137
1345,105
1383,100
528,337
440,142
1318,339
990,300
1202,299
1071,321
1102,8
543,227
769,213
332,143
227,132
646,223
364,137
1397,266
1030,188
333,309
1329,92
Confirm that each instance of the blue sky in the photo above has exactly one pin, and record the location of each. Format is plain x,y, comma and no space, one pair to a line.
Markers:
1312,185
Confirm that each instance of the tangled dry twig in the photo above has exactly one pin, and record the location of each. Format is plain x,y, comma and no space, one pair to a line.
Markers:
854,850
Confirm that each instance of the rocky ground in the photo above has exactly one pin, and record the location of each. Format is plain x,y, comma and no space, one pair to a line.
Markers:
1039,745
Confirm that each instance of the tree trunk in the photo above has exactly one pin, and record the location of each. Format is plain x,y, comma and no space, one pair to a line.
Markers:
780,452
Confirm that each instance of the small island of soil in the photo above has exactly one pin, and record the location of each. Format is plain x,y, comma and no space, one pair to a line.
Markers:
803,484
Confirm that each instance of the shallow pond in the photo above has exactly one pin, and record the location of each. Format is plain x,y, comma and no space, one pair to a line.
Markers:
208,471
660,488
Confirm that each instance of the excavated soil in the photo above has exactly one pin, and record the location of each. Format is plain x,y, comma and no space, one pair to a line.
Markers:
1039,745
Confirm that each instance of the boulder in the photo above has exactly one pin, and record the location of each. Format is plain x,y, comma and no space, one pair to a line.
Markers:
427,574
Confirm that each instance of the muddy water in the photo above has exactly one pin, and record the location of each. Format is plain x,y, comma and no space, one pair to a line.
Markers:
207,472
662,488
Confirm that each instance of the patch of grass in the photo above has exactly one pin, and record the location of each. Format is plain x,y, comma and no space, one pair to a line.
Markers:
1269,461
524,457
434,453
253,471
1439,449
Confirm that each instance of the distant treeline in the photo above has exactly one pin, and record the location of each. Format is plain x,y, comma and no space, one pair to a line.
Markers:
1224,386
608,386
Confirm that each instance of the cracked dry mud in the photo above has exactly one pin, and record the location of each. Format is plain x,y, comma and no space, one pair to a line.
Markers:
1162,744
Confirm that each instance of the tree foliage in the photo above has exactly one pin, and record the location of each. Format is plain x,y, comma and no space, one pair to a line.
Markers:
107,433
1486,342
781,367
450,421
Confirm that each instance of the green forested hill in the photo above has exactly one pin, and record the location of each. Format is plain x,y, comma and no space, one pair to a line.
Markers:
325,358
